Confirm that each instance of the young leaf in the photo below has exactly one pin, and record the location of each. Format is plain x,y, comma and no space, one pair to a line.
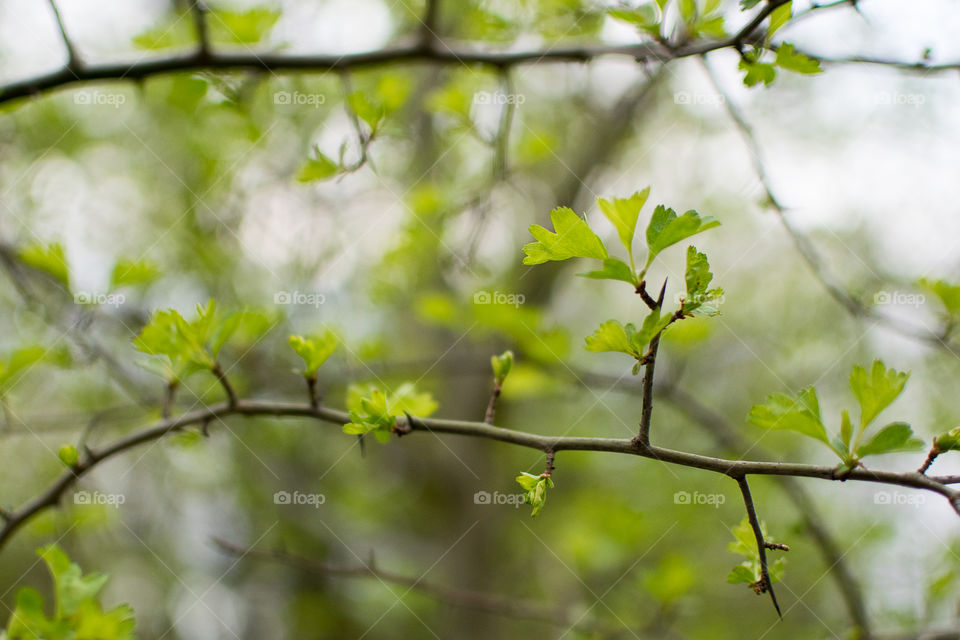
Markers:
699,298
757,72
19,361
613,269
623,214
372,411
791,60
800,414
68,455
666,229
745,544
876,390
535,488
780,16
947,293
949,441
501,366
131,273
49,258
573,238
314,350
896,436
318,168
612,336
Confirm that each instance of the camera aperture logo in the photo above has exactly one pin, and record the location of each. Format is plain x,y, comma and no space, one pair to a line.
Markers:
499,297
899,298
99,299
697,498
485,497
899,498
312,499
299,298
297,98
95,497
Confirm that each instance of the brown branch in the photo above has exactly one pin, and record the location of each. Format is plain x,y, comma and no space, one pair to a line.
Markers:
650,361
198,9
765,584
732,468
492,405
201,60
225,383
834,559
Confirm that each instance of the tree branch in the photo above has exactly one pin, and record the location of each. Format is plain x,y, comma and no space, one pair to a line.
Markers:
764,584
73,59
732,468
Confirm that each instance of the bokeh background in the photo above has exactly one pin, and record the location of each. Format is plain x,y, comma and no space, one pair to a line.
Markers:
201,174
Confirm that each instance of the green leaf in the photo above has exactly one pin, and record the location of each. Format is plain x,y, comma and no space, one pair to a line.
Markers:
757,72
373,411
18,362
501,366
666,229
791,60
699,298
319,168
314,350
49,258
877,390
573,238
745,544
623,214
896,436
645,18
612,336
247,27
366,108
949,441
846,429
535,488
748,4
68,455
800,414
131,273
613,269
948,294
779,17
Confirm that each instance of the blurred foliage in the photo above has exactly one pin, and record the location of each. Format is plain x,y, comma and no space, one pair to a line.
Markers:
380,217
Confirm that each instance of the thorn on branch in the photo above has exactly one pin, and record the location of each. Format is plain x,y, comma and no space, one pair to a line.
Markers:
199,9
776,546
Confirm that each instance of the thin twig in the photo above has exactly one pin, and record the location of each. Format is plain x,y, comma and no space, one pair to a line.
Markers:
764,584
199,10
73,59
650,358
225,383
